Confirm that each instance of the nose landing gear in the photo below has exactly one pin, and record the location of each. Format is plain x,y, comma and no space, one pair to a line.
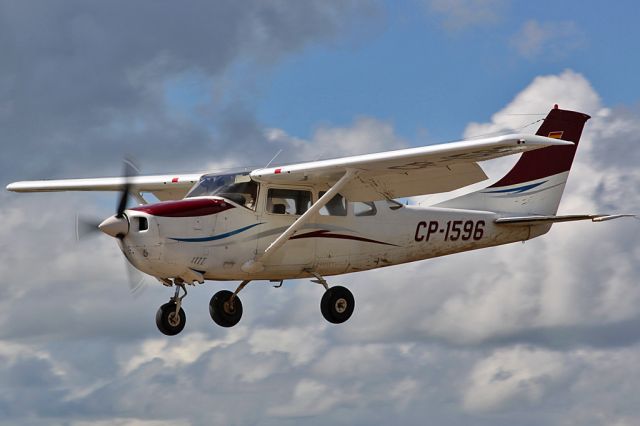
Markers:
170,317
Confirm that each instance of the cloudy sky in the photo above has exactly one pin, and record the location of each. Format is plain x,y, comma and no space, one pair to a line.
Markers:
546,332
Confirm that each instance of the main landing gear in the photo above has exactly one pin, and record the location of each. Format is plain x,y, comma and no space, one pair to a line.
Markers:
225,307
337,302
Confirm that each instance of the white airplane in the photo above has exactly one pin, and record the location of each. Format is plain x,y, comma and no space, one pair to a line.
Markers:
331,217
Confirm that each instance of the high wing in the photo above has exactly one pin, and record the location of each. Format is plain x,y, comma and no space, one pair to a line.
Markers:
407,172
164,187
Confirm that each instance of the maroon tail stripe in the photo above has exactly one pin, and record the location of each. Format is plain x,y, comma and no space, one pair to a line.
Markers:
325,234
185,208
549,161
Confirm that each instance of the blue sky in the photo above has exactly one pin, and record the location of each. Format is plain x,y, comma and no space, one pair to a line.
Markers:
412,70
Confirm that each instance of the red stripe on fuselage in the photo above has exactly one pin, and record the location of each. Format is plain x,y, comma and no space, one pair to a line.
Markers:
185,208
326,234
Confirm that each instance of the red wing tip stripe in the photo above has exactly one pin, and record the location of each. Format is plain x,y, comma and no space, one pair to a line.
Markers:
327,234
174,180
277,171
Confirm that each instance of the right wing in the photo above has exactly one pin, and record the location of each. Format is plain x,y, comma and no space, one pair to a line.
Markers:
407,172
164,187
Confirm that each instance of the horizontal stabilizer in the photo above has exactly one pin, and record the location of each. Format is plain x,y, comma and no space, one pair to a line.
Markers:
541,220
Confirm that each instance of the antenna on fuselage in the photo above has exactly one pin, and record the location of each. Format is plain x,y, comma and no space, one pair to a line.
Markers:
274,157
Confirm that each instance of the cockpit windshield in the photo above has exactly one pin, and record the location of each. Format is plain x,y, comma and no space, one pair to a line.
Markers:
237,187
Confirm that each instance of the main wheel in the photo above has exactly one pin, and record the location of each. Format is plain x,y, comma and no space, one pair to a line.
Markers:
222,311
337,304
168,322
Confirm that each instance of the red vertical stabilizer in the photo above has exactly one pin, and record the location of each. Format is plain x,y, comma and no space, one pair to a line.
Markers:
540,163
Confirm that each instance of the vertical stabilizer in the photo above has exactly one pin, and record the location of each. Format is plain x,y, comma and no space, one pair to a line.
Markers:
536,182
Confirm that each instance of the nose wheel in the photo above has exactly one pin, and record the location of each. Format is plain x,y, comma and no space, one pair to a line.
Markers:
168,321
170,317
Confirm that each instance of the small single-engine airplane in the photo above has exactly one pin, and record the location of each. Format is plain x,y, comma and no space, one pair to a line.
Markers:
333,217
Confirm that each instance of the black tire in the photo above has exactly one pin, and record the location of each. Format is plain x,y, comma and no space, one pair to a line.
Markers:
223,313
166,321
337,304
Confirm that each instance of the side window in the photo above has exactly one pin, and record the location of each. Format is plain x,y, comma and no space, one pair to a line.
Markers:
288,201
364,209
337,206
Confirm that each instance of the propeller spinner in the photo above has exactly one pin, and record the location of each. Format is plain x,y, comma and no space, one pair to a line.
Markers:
117,225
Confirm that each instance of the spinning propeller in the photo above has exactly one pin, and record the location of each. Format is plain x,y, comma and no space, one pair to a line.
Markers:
116,226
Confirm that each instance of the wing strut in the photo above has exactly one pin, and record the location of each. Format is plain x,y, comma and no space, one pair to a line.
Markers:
257,265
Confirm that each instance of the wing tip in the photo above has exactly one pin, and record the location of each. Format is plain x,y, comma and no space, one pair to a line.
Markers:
13,187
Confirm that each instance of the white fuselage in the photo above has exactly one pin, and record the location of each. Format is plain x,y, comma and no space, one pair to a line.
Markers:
217,245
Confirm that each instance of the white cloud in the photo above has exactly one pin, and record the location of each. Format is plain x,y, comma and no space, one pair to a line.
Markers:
365,135
311,398
570,90
404,392
516,374
288,341
185,350
550,40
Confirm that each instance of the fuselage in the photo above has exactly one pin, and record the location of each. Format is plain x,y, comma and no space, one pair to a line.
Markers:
215,236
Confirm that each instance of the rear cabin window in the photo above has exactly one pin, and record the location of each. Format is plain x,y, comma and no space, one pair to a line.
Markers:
288,201
364,209
337,206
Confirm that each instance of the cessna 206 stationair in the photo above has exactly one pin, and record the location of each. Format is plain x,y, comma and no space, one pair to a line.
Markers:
333,217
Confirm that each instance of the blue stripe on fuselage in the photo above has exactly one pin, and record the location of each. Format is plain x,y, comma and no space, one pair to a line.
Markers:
215,237
516,190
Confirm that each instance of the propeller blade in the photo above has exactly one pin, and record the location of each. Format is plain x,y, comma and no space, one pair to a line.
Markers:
130,170
136,278
86,227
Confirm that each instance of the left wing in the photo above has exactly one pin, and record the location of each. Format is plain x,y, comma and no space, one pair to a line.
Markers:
164,187
407,172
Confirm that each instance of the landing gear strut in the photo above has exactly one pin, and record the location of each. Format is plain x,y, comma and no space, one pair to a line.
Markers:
337,302
225,307
170,317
